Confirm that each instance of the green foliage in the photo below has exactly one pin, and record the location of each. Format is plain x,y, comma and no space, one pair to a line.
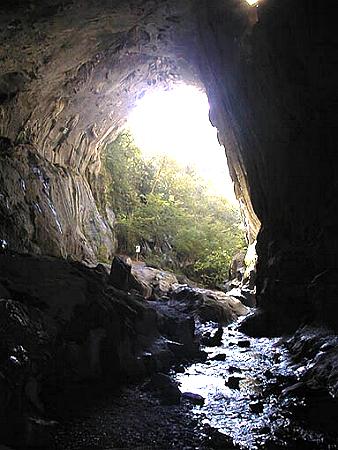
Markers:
127,175
168,210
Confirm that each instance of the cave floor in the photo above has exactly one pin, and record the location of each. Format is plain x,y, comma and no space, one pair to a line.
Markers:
249,404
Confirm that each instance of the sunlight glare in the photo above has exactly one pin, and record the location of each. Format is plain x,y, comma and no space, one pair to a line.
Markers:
176,123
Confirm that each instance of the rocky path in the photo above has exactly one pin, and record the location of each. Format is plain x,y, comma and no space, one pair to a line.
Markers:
247,385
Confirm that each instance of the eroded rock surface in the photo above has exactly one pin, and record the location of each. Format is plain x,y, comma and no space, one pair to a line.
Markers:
62,324
46,209
208,305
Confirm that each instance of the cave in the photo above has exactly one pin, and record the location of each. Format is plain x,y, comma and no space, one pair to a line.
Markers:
70,73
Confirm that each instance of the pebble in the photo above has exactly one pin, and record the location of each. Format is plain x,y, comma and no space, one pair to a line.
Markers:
256,407
196,399
244,343
233,382
219,357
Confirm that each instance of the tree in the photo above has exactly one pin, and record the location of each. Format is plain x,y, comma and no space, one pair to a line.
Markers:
168,210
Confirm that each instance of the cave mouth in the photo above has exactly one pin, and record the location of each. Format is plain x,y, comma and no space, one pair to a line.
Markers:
167,181
174,122
60,119
70,73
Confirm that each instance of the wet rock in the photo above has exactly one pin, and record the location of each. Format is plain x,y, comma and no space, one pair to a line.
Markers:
233,369
218,440
295,389
268,374
218,357
244,343
196,399
39,433
120,274
178,327
165,388
256,407
265,430
327,346
207,305
213,340
233,382
162,354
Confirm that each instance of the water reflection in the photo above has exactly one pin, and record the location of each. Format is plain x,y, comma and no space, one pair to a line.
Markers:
249,409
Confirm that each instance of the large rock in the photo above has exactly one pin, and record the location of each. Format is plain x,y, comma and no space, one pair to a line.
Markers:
120,274
158,282
207,305
245,295
165,388
64,323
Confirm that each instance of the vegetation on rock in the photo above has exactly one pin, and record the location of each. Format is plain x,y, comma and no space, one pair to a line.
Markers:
168,210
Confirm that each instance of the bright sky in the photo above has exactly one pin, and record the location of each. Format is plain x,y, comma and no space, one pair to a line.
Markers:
176,123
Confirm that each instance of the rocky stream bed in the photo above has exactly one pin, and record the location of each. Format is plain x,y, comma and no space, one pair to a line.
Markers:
87,362
248,400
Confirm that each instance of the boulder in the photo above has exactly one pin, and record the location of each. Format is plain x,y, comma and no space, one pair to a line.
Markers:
212,340
207,305
120,274
156,282
233,382
219,357
196,399
178,326
256,407
245,295
244,343
165,388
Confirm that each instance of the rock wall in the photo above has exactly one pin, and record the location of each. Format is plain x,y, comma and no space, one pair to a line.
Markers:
46,209
63,324
270,80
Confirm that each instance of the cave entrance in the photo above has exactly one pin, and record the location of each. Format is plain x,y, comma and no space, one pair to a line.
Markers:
175,123
171,189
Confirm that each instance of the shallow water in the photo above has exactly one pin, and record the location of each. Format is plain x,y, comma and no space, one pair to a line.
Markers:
256,414
130,417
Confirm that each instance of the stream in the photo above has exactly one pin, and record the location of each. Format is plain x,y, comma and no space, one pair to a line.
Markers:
248,395
248,404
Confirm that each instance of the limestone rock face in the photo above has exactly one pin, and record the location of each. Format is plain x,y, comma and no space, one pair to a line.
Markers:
47,209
